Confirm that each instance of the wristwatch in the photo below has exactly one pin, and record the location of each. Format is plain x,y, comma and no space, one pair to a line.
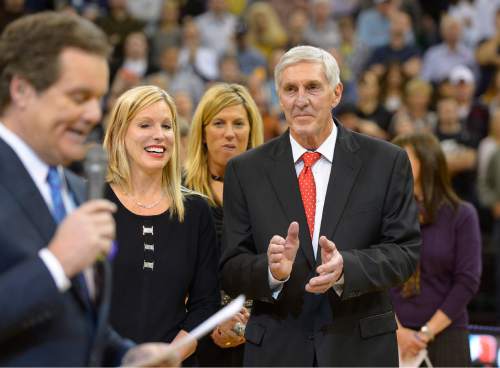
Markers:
427,332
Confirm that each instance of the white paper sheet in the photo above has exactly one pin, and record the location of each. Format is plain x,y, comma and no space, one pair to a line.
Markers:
416,361
204,328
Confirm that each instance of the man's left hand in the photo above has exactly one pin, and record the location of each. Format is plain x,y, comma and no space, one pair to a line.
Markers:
330,270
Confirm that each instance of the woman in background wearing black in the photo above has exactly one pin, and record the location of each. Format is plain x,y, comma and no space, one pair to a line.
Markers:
226,123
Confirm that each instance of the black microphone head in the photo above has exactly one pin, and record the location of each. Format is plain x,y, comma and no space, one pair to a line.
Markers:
96,166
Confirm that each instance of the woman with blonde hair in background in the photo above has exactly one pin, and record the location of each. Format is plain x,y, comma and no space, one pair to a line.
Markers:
265,31
165,270
225,124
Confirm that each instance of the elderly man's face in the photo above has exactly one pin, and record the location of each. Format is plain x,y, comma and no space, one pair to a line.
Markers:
307,99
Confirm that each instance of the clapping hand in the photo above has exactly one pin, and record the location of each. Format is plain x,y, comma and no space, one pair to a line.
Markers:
330,270
282,251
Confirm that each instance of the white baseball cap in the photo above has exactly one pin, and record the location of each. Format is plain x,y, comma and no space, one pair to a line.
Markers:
461,73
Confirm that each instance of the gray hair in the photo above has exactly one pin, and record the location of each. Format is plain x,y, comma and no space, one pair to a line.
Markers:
309,54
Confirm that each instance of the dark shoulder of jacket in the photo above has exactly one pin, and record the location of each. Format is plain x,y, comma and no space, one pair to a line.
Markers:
370,145
261,152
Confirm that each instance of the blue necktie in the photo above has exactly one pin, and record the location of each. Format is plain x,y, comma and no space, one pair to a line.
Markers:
59,213
55,184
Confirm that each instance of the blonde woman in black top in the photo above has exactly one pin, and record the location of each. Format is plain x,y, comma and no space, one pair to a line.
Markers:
226,123
165,270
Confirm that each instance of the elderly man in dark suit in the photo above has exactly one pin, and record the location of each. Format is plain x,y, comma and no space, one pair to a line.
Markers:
53,300
319,224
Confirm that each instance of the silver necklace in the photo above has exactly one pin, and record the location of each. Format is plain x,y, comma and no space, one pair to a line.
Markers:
148,206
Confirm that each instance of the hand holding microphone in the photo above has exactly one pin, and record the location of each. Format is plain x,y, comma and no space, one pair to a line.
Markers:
88,232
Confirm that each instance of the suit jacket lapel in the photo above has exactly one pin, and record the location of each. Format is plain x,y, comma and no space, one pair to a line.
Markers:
284,180
16,179
345,168
76,189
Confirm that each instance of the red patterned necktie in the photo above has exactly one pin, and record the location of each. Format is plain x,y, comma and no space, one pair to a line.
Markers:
308,187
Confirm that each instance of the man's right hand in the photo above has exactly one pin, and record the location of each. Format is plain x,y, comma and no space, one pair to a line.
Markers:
85,234
281,252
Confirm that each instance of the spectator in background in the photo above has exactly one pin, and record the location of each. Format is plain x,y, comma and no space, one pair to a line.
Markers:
296,28
465,12
283,8
440,59
322,31
265,31
485,17
90,10
183,142
342,8
473,114
369,106
397,50
415,110
352,54
347,113
229,69
159,80
486,182
270,118
147,11
459,149
273,100
180,77
184,105
10,10
392,90
118,24
169,31
201,60
488,56
491,97
431,306
136,62
489,194
217,26
373,23
488,145
249,58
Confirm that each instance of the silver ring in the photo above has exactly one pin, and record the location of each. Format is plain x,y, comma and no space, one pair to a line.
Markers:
239,328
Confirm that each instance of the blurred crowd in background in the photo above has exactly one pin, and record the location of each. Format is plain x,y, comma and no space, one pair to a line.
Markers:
406,65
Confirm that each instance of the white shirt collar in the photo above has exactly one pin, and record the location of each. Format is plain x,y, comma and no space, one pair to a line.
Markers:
326,149
37,168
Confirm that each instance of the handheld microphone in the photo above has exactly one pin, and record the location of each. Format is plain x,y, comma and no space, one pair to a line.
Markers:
95,167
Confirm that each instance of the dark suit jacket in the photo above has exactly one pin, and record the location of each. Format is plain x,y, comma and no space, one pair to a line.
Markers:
371,216
39,326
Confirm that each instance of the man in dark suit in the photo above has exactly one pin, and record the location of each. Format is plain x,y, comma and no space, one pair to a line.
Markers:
53,301
319,224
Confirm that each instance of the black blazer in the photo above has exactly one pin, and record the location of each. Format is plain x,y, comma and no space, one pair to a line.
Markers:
371,216
39,326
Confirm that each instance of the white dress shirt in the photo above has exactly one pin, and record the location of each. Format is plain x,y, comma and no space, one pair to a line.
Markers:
38,170
321,172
